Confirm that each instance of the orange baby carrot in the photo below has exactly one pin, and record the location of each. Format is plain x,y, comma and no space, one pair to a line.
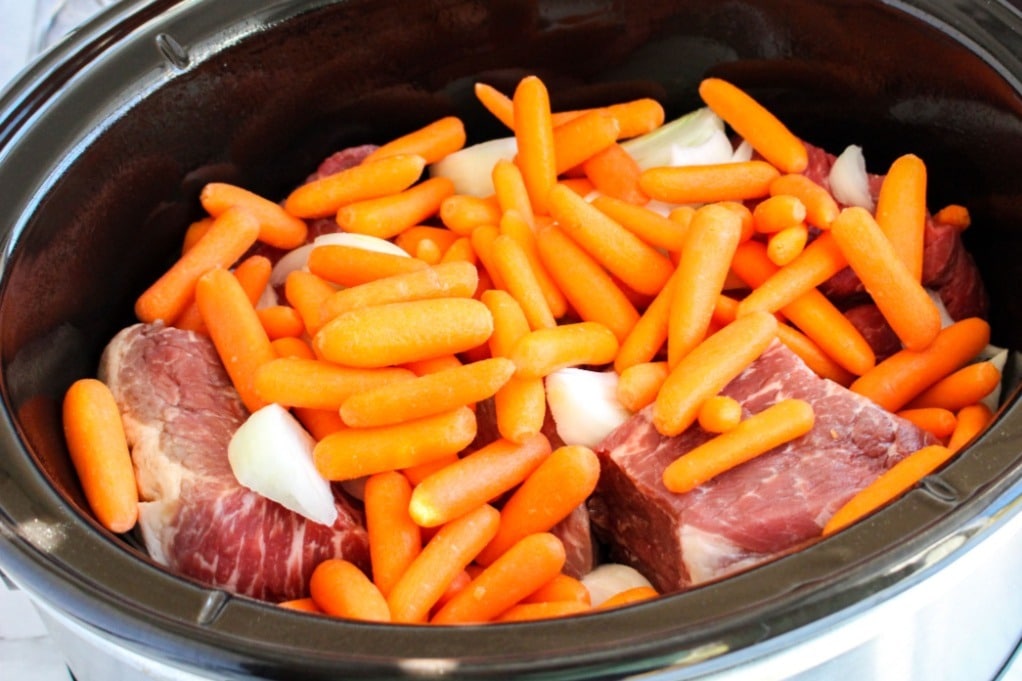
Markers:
253,273
319,422
785,245
543,351
497,103
306,293
580,185
301,605
651,227
820,206
235,330
563,481
419,472
531,562
99,452
894,382
520,280
705,261
719,414
395,333
355,452
817,263
589,290
482,243
445,555
396,401
534,132
636,594
891,484
290,346
350,265
281,321
639,265
323,197
315,384
511,191
561,588
432,365
461,250
955,215
957,390
394,538
432,142
476,479
901,210
708,183
389,215
410,240
341,589
276,227
755,124
776,425
227,240
709,367
454,279
509,321
521,408
639,384
528,612
615,173
195,231
648,335
515,226
462,213
581,138
779,211
635,117
906,306
936,420
969,422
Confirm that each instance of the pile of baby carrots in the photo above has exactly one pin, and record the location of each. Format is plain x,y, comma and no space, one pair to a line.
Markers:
383,358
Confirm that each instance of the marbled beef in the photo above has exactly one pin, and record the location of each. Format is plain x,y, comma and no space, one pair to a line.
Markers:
180,411
765,508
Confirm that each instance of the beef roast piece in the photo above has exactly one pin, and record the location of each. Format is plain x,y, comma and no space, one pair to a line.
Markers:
763,509
180,411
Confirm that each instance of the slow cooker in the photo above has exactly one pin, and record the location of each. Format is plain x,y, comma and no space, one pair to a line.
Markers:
106,140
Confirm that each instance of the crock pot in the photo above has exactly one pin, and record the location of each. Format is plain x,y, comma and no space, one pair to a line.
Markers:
106,140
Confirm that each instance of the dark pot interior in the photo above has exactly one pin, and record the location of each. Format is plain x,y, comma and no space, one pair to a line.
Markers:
105,143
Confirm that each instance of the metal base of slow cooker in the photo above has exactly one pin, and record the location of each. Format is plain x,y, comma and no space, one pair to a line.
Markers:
963,622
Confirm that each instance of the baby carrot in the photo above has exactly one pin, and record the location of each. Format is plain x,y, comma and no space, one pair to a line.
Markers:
394,538
649,333
290,346
564,480
432,365
497,103
515,226
936,420
341,589
615,173
648,225
639,384
460,250
281,321
395,333
350,265
776,425
635,117
708,183
276,227
432,142
509,321
306,293
820,206
580,138
531,562
419,472
969,421
906,306
589,290
301,605
561,588
755,124
894,382
462,213
719,414
482,239
511,191
396,401
235,330
709,367
454,279
253,273
779,211
891,484
476,479
520,280
195,232
543,351
355,452
957,390
901,210
955,215
227,240
521,408
323,197
412,239
534,132
445,555
528,612
636,263
785,245
315,384
319,422
580,185
99,452
636,594
705,261
817,263
387,216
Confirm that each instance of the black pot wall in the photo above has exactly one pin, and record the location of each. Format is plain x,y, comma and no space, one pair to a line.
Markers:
105,144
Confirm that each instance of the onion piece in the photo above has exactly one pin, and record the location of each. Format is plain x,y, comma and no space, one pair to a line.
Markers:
713,150
848,180
743,152
584,405
611,579
691,130
470,169
298,258
271,454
